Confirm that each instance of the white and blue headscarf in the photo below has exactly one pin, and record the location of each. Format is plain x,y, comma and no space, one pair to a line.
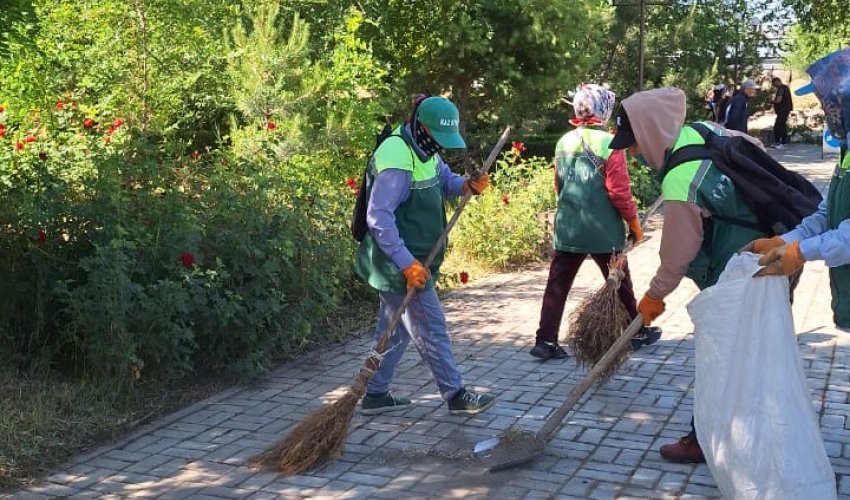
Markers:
831,84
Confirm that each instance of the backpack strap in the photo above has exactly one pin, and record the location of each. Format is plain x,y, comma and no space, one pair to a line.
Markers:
593,157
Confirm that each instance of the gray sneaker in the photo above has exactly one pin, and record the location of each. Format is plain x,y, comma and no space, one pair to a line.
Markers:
373,405
467,402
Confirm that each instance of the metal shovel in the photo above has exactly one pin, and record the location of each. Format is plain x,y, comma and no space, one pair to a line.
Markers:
517,448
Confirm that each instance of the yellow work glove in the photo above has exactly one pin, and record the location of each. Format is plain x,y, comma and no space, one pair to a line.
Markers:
762,245
635,231
477,185
650,308
781,261
416,275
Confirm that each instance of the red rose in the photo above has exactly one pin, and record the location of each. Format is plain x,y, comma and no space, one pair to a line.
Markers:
505,200
271,125
187,259
464,277
42,156
518,147
19,145
350,182
2,130
41,236
88,123
60,105
107,139
117,123
28,139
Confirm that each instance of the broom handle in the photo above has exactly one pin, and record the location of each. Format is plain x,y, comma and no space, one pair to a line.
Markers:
381,346
554,421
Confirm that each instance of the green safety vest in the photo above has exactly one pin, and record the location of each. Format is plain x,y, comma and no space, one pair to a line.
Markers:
838,210
702,183
585,220
420,219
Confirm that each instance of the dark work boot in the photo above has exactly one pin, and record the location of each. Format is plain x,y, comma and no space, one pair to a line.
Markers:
647,335
683,451
547,350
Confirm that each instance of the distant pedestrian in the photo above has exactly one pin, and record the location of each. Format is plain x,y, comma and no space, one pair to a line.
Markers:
716,102
782,105
737,113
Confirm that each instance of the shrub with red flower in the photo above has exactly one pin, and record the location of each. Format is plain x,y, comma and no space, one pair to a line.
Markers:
28,139
41,236
42,156
19,145
353,185
505,200
2,109
517,147
187,259
107,139
117,123
271,125
88,123
2,130
464,277
60,105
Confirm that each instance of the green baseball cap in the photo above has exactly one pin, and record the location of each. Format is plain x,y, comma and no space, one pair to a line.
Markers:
443,121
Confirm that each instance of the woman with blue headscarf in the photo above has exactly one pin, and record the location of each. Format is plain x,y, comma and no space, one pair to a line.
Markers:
824,235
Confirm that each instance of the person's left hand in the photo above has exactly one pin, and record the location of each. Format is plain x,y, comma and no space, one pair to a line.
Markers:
781,261
477,184
635,231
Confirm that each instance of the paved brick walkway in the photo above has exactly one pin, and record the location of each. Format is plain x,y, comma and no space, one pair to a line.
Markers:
607,448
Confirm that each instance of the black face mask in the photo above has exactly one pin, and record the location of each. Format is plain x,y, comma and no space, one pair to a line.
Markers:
423,139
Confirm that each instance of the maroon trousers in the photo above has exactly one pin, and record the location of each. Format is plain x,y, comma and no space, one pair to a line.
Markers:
562,273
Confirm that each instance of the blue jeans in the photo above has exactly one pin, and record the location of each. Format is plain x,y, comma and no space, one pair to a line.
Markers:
425,323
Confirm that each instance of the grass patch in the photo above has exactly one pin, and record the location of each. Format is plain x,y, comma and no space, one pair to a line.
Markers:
45,418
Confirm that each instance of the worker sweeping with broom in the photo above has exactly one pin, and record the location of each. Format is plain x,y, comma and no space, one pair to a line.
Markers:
405,217
594,199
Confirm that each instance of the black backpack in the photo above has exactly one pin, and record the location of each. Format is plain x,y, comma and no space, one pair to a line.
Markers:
359,228
778,197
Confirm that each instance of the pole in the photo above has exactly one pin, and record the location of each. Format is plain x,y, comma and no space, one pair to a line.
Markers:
641,43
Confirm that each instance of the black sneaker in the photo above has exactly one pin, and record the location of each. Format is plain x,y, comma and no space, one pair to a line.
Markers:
647,335
373,405
546,350
467,402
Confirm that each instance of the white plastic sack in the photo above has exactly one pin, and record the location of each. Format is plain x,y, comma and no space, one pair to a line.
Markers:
753,412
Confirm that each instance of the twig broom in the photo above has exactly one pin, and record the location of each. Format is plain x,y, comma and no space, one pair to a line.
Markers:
321,436
601,318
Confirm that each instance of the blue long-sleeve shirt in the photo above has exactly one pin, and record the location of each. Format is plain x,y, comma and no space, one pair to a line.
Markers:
817,242
391,188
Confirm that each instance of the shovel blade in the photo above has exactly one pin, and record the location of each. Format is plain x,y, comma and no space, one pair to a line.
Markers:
485,445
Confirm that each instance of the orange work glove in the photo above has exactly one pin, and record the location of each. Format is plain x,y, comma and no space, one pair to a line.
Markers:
477,184
781,261
635,231
650,308
762,245
416,275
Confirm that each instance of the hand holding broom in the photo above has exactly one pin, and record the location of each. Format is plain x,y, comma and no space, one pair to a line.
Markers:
321,436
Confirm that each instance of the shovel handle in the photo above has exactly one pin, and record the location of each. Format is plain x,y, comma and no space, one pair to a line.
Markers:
554,421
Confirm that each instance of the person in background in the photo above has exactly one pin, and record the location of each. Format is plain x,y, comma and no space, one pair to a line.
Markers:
698,236
595,206
737,113
824,235
782,106
406,216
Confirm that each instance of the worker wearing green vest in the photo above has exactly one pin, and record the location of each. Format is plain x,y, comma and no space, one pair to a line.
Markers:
406,216
694,243
824,235
595,206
